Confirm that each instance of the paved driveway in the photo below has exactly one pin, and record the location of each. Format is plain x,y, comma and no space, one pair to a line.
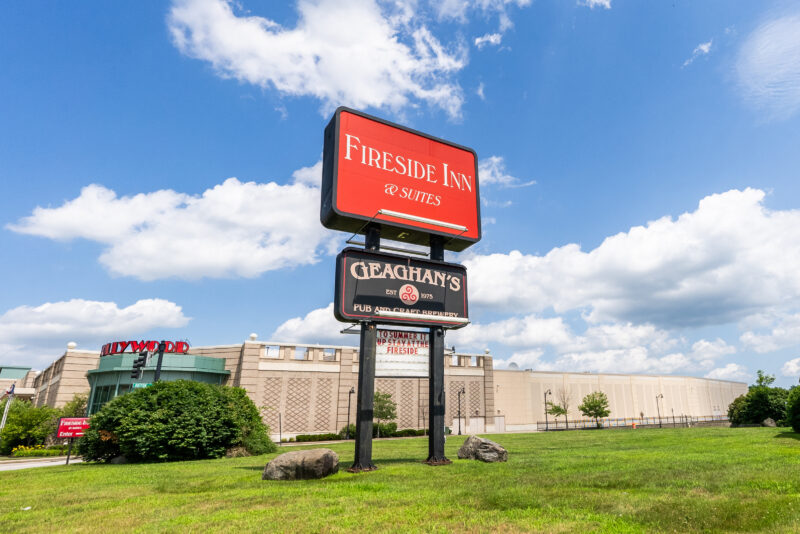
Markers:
27,463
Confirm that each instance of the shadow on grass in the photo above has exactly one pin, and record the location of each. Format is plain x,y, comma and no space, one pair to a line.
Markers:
789,435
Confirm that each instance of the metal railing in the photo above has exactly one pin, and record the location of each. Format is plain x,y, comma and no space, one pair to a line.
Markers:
630,422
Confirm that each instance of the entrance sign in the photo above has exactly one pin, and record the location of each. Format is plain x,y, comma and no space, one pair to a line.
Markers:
401,354
393,289
412,184
72,427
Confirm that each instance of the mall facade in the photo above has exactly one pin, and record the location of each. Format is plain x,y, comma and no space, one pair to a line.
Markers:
303,389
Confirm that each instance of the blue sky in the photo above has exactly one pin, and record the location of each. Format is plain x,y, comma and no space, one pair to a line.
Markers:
639,172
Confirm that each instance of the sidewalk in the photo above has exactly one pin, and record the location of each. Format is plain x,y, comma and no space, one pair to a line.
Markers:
27,463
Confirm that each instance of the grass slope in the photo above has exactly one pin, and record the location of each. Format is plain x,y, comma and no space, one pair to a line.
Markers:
667,480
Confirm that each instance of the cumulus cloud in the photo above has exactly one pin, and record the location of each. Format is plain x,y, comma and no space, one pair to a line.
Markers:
768,67
459,10
34,335
233,229
791,368
729,258
732,371
777,332
362,53
317,326
700,50
492,171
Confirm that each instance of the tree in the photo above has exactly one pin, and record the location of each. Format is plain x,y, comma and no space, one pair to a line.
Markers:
595,405
564,400
26,425
556,410
764,379
383,409
76,407
793,408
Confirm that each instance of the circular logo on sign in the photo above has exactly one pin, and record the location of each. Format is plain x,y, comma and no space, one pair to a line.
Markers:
409,294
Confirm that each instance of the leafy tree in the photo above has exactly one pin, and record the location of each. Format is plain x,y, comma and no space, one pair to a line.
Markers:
76,407
793,408
595,405
764,379
26,425
556,410
383,408
564,400
180,420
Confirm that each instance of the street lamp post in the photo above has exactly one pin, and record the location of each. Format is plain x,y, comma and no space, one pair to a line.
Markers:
546,422
659,396
349,396
460,391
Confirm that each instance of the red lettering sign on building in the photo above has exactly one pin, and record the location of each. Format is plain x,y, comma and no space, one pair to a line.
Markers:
117,347
411,183
72,427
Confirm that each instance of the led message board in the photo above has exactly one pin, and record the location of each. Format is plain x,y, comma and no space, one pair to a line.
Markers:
411,183
393,289
401,353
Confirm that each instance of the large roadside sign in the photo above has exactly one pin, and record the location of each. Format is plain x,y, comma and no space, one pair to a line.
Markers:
72,427
393,289
411,183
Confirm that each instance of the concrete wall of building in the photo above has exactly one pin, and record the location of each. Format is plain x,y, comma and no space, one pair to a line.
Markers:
519,395
64,378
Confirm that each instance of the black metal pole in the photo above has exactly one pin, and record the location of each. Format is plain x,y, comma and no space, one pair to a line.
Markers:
365,398
349,396
659,412
436,379
161,347
280,429
459,411
546,422
69,450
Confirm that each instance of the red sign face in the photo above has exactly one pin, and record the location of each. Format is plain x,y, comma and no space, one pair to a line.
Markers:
72,427
412,184
117,347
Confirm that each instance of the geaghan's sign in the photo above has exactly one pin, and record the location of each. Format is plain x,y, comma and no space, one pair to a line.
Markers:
392,289
118,347
72,427
401,353
413,184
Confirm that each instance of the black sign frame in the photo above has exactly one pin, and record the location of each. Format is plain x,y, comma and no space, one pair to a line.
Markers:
374,294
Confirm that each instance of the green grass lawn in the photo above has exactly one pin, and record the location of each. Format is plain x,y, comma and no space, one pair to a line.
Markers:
658,480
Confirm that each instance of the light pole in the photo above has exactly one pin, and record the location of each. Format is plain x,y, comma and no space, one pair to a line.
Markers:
460,391
546,422
659,396
349,396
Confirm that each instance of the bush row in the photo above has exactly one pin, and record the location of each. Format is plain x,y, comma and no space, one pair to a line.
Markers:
38,450
388,430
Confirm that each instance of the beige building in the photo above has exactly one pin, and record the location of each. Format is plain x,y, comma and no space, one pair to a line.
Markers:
304,389
520,395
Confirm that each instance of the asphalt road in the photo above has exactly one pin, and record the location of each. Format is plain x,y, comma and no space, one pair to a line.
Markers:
27,463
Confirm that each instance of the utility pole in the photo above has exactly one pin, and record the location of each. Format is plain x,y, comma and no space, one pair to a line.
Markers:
659,396
546,423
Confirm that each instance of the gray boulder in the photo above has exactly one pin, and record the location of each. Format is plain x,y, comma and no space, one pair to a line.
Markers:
300,465
768,422
482,449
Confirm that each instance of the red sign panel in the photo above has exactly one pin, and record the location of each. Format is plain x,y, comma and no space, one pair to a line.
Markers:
72,427
411,183
117,347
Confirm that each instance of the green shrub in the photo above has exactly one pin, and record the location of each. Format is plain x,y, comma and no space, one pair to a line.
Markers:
760,402
793,409
38,451
180,420
343,432
317,437
26,425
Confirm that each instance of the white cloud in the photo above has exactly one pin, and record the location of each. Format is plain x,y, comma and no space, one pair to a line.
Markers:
490,38
700,50
732,371
311,176
492,170
768,67
360,53
728,259
784,331
317,326
233,229
479,91
606,4
791,368
34,335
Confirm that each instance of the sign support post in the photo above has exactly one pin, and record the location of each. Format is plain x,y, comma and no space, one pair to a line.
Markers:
69,450
366,377
436,380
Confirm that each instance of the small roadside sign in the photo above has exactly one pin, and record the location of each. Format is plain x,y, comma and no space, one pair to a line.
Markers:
139,385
